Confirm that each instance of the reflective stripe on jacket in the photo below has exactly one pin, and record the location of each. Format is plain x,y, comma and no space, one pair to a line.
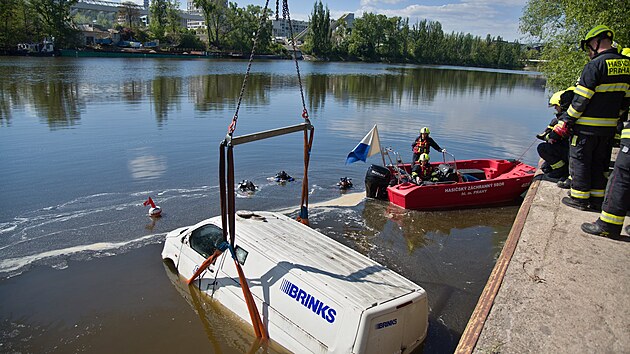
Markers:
601,94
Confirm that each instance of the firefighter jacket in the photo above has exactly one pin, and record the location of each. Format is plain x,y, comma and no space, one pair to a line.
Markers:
425,172
422,146
601,96
625,135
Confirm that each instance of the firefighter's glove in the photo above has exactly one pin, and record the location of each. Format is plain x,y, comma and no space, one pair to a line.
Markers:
562,130
544,134
552,138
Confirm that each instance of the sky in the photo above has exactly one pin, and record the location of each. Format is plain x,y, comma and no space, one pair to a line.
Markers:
478,17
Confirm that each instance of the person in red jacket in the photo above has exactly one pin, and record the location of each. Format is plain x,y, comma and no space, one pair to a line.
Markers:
422,144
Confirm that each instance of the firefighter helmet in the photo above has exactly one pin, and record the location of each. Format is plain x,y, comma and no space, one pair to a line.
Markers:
425,130
424,157
555,98
600,31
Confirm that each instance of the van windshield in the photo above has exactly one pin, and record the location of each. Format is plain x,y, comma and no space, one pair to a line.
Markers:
205,239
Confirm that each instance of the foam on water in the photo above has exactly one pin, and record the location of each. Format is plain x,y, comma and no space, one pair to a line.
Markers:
11,265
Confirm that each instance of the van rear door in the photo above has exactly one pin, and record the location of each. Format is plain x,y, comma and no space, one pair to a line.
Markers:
397,326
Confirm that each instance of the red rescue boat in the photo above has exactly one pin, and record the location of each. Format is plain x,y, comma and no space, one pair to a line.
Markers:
462,183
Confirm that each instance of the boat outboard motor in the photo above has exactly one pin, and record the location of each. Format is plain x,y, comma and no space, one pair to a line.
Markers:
376,181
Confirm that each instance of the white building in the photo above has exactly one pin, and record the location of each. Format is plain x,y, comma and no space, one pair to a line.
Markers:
191,8
281,28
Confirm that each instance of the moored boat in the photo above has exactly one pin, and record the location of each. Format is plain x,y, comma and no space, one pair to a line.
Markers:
462,183
129,54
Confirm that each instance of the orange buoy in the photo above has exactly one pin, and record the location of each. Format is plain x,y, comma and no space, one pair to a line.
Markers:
155,210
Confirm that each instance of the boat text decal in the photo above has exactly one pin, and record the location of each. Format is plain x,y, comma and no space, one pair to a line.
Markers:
475,188
309,301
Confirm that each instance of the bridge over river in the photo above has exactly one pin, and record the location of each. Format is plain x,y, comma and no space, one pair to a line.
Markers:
111,6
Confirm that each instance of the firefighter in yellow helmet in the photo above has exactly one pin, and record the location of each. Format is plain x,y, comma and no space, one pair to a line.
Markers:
423,143
617,200
591,120
555,149
423,171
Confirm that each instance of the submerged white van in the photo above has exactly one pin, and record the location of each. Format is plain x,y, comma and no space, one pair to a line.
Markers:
314,294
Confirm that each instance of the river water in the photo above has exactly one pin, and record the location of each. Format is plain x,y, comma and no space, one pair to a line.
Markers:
83,142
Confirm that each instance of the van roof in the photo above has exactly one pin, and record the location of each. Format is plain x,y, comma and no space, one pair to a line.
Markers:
320,260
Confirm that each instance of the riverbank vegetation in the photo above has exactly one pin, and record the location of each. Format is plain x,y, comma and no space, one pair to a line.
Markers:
393,39
561,24
372,37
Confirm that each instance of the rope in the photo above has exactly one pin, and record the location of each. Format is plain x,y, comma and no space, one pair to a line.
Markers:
263,18
308,140
308,143
526,150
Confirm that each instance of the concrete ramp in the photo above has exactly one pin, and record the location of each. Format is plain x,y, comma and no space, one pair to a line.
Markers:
560,291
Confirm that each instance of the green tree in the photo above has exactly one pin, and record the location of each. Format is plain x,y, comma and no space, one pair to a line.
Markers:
173,18
129,14
215,14
8,26
367,36
318,39
55,20
188,39
395,31
242,26
561,24
158,17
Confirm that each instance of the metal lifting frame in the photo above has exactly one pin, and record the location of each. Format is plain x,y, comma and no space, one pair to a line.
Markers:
228,207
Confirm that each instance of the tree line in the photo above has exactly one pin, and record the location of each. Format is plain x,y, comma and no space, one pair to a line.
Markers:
373,37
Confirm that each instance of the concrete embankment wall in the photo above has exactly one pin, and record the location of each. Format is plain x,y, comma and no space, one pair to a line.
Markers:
554,289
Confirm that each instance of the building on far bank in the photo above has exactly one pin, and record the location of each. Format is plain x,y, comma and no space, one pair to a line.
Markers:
281,28
92,34
191,8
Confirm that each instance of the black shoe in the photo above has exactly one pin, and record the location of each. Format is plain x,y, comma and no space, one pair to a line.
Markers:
545,167
564,184
558,173
576,203
594,229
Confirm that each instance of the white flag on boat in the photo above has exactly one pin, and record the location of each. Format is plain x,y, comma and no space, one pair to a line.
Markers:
370,145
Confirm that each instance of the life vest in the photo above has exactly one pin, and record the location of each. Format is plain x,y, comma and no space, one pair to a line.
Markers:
422,146
424,172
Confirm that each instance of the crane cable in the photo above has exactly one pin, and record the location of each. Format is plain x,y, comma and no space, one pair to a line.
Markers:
228,210
308,138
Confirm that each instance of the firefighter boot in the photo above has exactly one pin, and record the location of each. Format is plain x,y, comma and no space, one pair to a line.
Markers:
575,203
545,167
559,172
600,228
564,184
